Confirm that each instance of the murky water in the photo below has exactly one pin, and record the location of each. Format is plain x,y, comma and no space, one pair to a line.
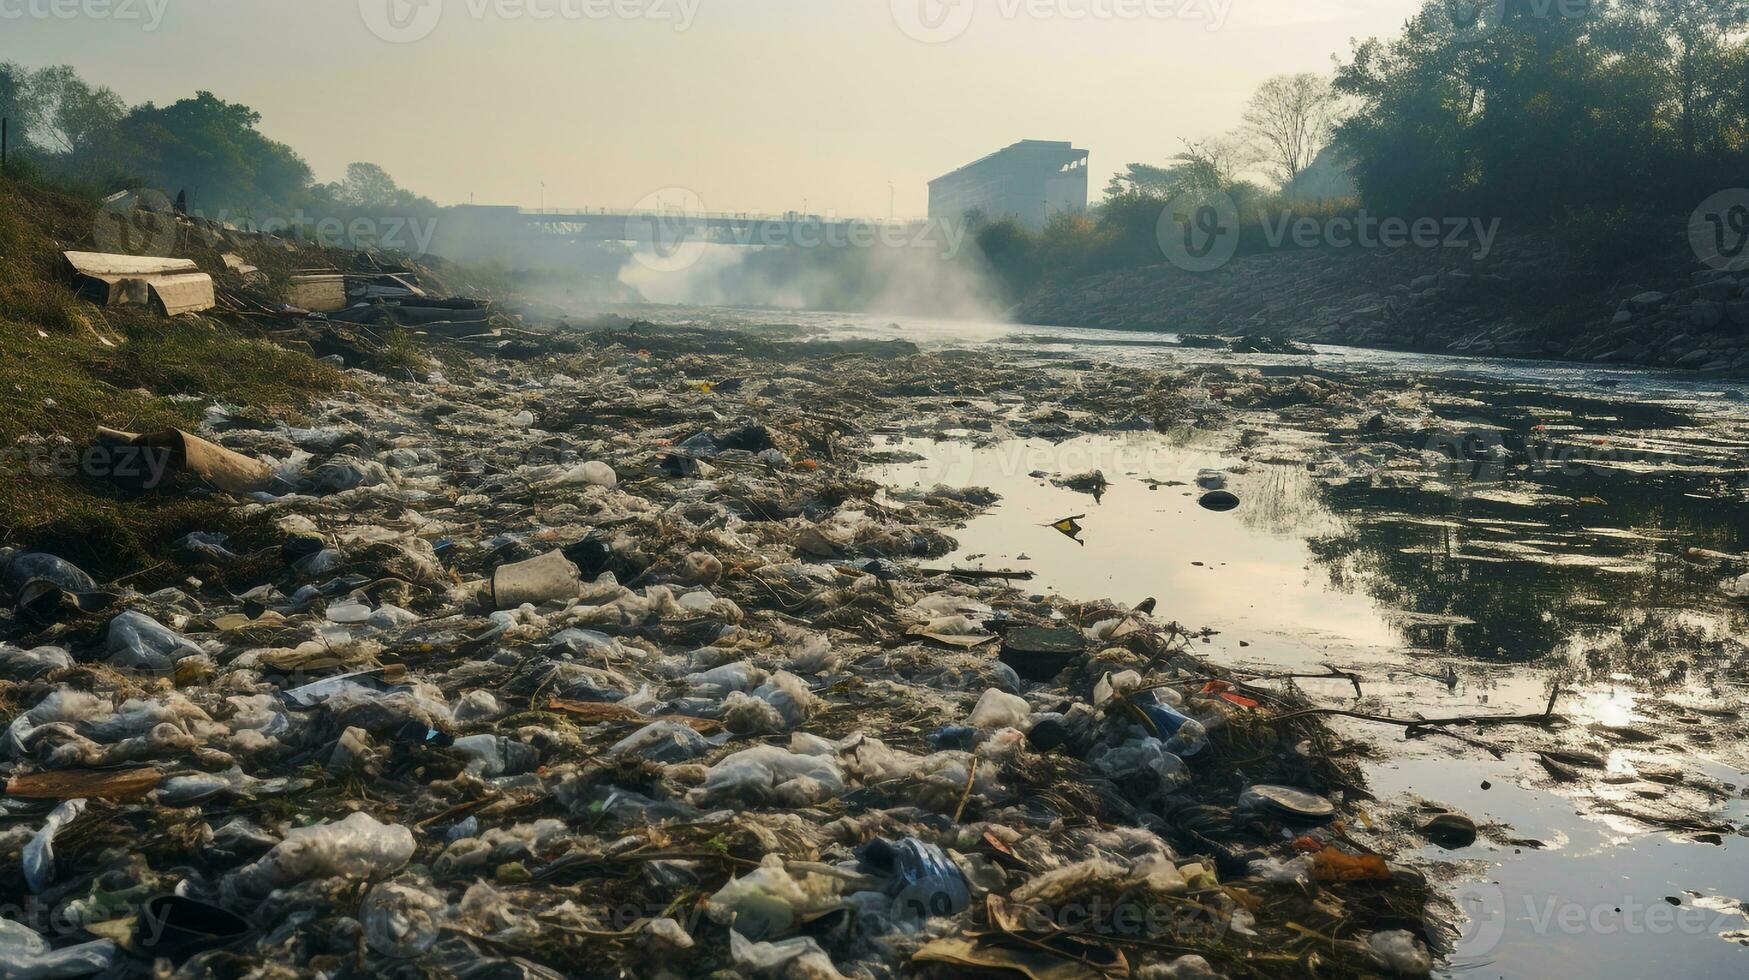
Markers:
1250,574
1445,605
1473,596
1148,348
1448,600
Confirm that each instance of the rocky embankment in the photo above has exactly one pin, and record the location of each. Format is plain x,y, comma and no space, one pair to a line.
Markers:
1527,299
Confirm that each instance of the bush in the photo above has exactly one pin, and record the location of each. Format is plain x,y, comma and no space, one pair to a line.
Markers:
1604,241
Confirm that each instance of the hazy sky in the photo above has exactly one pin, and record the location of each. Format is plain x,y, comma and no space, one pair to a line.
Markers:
749,104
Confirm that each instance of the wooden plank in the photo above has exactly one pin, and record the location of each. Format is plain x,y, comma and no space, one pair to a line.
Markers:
105,264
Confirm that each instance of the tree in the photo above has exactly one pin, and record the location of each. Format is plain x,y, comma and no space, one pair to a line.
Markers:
1291,117
74,119
1143,179
17,104
1210,166
1492,123
368,185
1695,37
211,148
1615,111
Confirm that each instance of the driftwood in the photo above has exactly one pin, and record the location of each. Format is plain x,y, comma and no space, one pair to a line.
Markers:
1546,717
978,575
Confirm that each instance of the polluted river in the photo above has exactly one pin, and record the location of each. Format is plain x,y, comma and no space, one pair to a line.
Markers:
742,643
1463,579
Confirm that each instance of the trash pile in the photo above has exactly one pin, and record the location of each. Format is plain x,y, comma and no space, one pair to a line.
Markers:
597,661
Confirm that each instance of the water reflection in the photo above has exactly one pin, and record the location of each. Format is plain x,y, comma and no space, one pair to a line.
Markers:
1523,569
1452,594
1510,572
1248,573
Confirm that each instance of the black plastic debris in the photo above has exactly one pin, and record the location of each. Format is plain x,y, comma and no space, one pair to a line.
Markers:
1219,501
176,928
1040,653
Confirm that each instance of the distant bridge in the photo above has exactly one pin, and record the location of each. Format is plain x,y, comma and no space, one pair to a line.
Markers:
669,228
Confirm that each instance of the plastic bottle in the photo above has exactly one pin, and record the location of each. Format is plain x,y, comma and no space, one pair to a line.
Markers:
1185,736
923,881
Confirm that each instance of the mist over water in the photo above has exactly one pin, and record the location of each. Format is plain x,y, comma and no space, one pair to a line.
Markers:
912,280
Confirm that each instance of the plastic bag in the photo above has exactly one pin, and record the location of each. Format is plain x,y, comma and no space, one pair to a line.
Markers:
662,741
803,952
1399,952
476,705
1296,871
18,569
593,473
39,853
25,955
586,643
139,642
17,664
348,612
998,710
401,919
719,681
1144,757
745,714
497,755
766,774
1331,864
770,901
356,847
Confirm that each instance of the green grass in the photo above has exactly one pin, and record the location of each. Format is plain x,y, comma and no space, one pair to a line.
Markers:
60,380
401,355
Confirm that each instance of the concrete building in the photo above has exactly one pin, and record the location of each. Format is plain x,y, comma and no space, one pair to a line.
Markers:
1031,182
